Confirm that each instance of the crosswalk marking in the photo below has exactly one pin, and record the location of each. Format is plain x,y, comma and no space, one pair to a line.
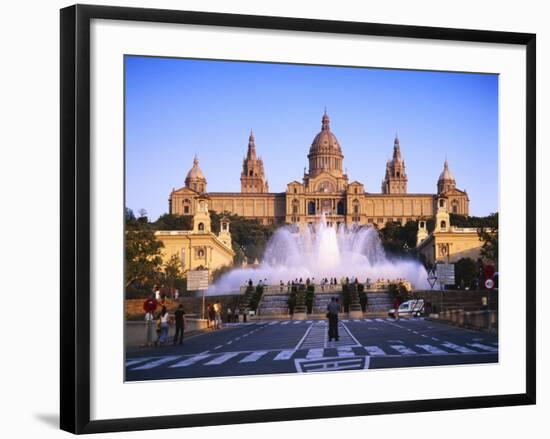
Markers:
190,361
273,323
345,351
483,347
254,356
367,320
221,359
314,353
136,361
455,347
374,350
284,355
297,322
155,363
431,349
286,322
402,349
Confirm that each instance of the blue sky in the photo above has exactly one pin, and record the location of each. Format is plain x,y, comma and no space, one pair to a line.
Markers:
176,108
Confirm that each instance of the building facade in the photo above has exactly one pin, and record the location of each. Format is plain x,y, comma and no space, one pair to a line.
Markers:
447,244
199,248
324,189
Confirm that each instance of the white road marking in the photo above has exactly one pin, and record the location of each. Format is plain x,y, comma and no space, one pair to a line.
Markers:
367,320
221,359
423,335
483,347
254,356
309,321
273,323
403,350
284,355
374,350
219,346
137,361
285,322
156,363
379,320
435,339
431,349
190,361
297,322
229,342
315,353
455,347
345,351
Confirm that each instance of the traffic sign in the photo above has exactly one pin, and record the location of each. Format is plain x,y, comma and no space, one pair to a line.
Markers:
432,277
197,280
489,284
446,274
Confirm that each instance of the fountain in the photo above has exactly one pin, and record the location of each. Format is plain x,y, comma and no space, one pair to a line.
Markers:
323,251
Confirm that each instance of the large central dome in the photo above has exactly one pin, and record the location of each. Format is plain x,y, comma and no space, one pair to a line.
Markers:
325,153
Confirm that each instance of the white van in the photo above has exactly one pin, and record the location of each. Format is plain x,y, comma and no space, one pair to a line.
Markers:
410,308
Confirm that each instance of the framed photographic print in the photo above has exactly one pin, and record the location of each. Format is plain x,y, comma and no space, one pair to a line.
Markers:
306,218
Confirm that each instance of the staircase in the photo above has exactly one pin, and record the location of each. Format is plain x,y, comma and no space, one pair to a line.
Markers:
322,300
273,305
378,303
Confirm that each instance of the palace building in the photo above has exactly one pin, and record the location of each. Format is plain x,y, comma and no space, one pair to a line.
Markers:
324,188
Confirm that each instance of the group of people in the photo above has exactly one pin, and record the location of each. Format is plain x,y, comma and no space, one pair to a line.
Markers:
214,315
162,322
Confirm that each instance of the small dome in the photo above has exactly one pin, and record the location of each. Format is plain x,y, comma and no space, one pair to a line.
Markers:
325,141
446,174
195,173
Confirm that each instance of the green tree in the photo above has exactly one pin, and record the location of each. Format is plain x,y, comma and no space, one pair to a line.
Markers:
142,252
249,237
466,273
489,249
398,239
173,222
173,273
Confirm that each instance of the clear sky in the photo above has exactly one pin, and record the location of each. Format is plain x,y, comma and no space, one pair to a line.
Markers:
176,108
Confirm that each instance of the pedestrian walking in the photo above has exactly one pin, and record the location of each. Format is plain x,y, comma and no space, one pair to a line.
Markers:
229,314
332,314
180,324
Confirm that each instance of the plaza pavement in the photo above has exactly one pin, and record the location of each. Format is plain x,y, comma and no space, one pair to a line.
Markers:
287,346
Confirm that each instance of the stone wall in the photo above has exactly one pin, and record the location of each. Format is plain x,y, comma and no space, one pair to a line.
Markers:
466,300
191,305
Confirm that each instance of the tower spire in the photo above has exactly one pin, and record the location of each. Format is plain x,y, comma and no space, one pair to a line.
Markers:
325,123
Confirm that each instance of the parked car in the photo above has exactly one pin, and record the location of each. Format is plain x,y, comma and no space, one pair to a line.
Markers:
410,308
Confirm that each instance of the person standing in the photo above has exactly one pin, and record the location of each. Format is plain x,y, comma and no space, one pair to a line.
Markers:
229,314
180,324
396,304
332,314
211,316
164,326
218,314
149,306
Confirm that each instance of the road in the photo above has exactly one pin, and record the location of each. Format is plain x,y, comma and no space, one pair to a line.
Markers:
268,347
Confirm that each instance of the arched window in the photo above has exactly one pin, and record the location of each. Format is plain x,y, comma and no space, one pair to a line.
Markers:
340,208
441,202
311,208
250,173
186,207
201,227
295,206
355,207
455,206
443,225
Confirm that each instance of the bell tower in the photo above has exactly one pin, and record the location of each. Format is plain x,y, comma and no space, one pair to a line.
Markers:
395,180
253,177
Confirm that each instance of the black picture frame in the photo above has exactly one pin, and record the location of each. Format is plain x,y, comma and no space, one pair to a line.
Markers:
75,217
